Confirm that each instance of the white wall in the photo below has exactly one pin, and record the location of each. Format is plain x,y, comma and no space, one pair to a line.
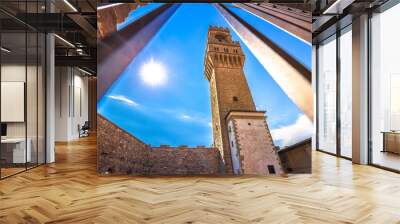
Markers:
71,102
13,73
33,126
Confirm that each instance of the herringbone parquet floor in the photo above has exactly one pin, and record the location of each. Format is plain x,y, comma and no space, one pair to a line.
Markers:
70,191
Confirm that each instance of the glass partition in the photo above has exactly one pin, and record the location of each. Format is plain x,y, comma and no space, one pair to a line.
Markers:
327,95
346,92
22,78
31,99
385,89
13,94
41,97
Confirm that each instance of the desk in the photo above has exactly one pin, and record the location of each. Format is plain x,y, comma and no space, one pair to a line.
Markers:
391,141
16,147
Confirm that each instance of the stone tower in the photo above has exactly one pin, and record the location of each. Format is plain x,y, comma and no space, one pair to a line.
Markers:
233,105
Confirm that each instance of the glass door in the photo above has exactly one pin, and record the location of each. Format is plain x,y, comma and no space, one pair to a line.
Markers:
385,89
345,93
14,153
327,95
22,77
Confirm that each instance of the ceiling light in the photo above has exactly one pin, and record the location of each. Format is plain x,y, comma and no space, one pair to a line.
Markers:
107,6
84,71
70,5
338,6
5,50
65,41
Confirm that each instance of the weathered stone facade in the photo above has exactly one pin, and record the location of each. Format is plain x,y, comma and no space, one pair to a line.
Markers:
229,92
228,86
249,135
242,141
184,161
119,152
297,158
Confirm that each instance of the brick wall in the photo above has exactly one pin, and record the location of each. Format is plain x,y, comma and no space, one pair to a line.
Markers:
254,143
297,158
118,152
184,161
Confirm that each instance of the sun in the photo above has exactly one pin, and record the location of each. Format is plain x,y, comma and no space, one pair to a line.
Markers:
153,73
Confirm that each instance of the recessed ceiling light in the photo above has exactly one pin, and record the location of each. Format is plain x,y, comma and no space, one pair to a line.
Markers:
5,50
107,6
64,40
70,5
84,71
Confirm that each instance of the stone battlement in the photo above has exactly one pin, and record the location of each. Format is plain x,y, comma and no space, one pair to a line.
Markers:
121,153
183,161
220,28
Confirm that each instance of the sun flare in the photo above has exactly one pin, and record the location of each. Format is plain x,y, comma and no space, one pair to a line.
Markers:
153,73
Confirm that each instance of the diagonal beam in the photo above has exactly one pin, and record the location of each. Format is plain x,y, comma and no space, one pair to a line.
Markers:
84,24
291,76
118,49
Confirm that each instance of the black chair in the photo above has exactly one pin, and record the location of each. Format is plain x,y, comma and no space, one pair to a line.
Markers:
84,130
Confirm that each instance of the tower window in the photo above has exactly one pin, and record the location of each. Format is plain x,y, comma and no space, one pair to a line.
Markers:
232,143
235,98
249,124
271,169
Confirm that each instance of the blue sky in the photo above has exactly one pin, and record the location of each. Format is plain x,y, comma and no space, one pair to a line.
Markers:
178,111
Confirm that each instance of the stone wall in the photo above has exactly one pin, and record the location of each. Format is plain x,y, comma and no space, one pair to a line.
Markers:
184,161
254,144
118,152
297,158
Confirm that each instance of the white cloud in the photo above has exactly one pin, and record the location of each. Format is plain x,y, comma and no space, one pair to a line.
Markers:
294,133
124,99
260,107
185,117
193,118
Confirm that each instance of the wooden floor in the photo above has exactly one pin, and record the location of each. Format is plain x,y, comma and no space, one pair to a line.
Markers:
70,191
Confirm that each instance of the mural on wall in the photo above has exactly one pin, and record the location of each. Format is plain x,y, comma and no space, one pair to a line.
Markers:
193,99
